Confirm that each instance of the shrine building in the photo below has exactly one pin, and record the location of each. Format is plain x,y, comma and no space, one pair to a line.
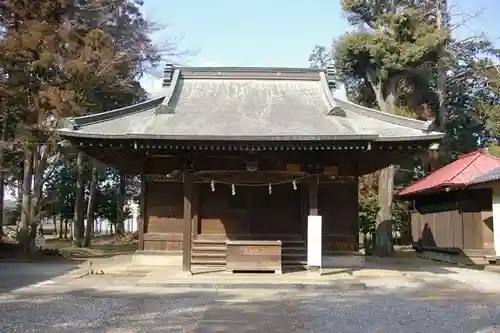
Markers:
235,161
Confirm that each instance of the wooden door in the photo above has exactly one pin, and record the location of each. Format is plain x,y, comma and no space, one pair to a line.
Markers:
275,213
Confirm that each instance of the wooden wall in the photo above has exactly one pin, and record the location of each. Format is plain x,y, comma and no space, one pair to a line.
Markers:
164,216
338,205
251,213
455,221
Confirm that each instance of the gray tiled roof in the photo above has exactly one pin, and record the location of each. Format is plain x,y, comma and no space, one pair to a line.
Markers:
490,176
250,103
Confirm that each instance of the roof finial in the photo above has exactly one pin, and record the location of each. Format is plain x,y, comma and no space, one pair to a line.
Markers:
330,77
73,124
168,74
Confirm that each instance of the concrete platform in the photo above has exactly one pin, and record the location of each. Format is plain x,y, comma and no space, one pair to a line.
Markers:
157,258
343,260
329,279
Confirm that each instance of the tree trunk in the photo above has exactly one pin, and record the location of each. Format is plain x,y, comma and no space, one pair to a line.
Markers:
79,216
38,168
54,222
65,228
120,228
383,238
24,224
386,95
441,12
61,220
2,174
90,207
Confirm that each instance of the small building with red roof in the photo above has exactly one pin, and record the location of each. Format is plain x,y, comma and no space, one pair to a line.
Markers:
453,208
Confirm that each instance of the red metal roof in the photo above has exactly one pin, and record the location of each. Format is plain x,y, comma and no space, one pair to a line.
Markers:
458,173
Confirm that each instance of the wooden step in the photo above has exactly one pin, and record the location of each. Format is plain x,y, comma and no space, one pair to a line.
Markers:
208,248
209,254
293,249
208,261
293,242
209,241
294,262
294,255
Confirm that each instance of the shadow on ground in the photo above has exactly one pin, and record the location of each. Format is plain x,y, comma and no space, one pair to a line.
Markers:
211,310
17,275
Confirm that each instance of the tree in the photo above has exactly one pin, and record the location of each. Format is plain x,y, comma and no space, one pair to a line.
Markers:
368,211
52,55
320,57
391,59
489,101
60,191
64,58
91,204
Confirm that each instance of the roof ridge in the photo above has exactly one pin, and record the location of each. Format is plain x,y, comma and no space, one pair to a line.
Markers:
424,126
463,169
76,122
334,110
250,69
479,151
474,152
164,107
251,73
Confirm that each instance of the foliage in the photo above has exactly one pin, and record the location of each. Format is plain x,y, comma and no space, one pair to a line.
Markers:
320,57
58,59
392,60
400,216
489,101
368,210
60,191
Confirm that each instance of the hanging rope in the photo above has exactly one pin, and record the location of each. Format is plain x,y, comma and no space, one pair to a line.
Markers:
226,182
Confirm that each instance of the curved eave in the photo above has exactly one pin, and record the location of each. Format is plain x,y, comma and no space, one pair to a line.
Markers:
335,102
426,137
131,136
431,190
77,122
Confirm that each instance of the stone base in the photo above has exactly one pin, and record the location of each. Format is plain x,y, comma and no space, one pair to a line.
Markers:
157,258
455,258
343,260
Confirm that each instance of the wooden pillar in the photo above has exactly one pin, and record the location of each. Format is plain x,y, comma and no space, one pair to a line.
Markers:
496,219
195,209
314,229
142,212
313,197
187,235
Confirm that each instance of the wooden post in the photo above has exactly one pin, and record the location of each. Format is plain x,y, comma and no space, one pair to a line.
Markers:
496,220
187,235
313,197
314,229
142,212
195,209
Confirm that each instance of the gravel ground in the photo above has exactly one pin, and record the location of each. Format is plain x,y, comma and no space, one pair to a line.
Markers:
34,299
72,308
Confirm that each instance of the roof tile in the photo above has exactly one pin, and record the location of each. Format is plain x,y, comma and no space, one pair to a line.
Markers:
462,172
236,102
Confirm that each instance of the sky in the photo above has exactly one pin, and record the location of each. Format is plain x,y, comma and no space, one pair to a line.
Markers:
278,33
